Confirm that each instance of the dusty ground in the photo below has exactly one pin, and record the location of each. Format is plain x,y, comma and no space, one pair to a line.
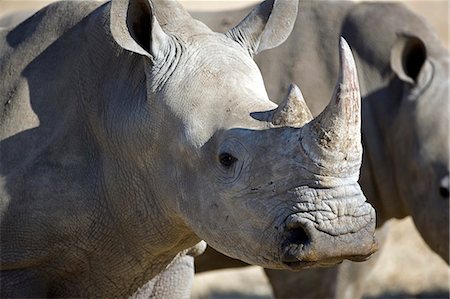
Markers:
407,268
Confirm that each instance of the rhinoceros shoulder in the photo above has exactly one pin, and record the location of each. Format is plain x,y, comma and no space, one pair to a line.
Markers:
22,44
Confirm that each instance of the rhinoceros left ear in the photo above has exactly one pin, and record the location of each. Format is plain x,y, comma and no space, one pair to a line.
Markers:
135,28
408,57
267,26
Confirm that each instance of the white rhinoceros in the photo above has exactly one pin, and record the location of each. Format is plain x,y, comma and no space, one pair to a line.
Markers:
404,78
130,131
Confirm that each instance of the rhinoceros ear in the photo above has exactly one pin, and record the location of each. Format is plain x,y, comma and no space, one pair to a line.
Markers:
135,28
267,26
408,57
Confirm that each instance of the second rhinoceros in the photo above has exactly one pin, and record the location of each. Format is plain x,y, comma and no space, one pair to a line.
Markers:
130,132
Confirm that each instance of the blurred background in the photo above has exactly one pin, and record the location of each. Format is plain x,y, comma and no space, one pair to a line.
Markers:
436,11
407,267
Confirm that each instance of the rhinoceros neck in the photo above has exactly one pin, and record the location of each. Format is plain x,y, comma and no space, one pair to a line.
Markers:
378,177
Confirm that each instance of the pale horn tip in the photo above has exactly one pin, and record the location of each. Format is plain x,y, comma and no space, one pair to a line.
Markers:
348,74
295,92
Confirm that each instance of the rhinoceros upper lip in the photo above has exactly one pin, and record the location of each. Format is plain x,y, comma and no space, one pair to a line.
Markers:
299,265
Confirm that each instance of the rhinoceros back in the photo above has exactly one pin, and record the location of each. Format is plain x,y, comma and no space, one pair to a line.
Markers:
19,46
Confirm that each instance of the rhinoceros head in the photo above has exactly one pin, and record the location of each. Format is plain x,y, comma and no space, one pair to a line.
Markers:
265,184
422,125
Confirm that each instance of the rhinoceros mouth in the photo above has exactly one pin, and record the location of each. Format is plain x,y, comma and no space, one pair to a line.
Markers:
301,265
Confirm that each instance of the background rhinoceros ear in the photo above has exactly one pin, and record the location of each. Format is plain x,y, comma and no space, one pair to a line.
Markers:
267,26
408,56
135,28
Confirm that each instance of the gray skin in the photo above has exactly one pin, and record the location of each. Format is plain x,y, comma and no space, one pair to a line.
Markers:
404,79
175,281
125,142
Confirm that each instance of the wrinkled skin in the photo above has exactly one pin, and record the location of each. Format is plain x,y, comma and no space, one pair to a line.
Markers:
120,154
175,281
404,78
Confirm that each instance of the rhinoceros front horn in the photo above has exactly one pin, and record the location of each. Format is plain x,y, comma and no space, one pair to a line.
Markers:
333,139
293,111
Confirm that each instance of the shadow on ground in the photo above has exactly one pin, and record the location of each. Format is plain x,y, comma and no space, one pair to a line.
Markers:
233,295
425,295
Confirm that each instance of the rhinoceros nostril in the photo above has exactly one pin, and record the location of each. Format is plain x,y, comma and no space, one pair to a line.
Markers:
296,241
298,236
443,188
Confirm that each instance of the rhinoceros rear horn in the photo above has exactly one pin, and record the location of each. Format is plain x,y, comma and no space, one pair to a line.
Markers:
267,26
135,28
293,110
335,135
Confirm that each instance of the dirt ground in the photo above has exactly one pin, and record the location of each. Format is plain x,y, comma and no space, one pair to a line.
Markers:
407,268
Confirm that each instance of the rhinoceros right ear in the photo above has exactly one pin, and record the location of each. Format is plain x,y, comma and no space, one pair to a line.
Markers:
135,28
267,26
408,57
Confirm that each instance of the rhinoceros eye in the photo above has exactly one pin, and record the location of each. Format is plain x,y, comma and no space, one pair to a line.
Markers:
227,159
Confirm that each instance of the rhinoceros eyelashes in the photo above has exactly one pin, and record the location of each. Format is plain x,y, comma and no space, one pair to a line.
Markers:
227,160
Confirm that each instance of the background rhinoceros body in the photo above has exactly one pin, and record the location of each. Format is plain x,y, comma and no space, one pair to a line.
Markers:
130,131
404,79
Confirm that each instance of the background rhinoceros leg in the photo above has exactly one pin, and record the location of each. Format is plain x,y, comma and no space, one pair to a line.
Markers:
303,284
345,281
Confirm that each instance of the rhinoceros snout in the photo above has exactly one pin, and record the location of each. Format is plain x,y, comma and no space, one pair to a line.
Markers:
307,246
